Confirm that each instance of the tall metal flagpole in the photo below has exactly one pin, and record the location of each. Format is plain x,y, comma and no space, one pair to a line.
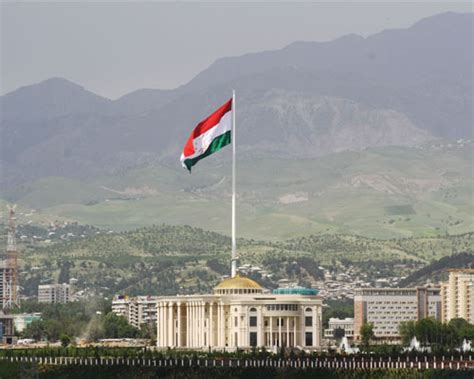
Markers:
234,244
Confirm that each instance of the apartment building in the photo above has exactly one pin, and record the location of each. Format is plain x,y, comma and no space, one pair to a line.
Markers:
137,310
54,293
457,295
386,308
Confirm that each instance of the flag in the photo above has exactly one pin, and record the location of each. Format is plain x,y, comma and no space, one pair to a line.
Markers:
209,136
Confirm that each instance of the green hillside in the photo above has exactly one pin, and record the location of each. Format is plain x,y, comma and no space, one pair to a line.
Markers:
170,259
437,270
386,192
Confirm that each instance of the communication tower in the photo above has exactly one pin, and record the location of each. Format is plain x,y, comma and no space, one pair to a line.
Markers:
9,266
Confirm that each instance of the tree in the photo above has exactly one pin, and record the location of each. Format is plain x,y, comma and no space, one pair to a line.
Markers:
366,334
429,331
407,331
65,340
462,328
118,327
35,330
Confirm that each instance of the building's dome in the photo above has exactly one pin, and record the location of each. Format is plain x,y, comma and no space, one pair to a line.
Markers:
238,285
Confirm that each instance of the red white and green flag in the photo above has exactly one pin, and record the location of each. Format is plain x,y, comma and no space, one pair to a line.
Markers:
209,136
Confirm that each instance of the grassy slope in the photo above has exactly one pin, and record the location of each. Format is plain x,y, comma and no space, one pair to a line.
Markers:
170,259
349,192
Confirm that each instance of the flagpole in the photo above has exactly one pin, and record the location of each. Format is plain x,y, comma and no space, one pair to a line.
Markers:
234,244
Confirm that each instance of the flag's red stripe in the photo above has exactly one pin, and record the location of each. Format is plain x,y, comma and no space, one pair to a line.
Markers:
205,125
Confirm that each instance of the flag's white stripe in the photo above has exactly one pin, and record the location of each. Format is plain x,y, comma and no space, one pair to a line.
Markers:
202,142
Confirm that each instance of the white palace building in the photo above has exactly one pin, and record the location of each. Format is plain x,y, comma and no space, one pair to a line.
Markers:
241,314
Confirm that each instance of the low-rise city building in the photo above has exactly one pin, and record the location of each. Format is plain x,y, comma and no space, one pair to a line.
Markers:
386,308
241,314
7,329
22,320
54,293
346,325
457,295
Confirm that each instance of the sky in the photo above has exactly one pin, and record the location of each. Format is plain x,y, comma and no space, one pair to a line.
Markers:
113,48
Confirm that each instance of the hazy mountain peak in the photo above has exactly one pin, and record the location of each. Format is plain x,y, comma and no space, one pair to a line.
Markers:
51,84
398,87
48,99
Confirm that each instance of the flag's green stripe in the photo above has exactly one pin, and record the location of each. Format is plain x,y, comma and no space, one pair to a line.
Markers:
216,144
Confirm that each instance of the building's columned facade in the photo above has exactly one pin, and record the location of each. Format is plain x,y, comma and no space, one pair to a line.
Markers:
239,315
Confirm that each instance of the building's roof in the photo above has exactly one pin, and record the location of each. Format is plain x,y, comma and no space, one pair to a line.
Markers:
462,270
238,282
295,291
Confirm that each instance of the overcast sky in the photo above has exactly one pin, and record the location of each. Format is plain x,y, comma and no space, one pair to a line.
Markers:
113,48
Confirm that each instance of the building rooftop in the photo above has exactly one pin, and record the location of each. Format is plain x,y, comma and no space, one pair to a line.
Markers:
295,291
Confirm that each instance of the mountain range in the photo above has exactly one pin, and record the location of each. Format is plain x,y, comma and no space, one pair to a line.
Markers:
308,101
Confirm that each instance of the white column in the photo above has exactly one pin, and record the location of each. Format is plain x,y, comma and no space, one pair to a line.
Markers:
223,327
218,324
170,325
165,324
211,324
193,324
319,325
159,322
162,326
158,338
244,328
303,325
279,331
196,323
198,327
260,336
178,342
294,332
205,325
238,342
201,324
287,331
315,320
187,325
271,331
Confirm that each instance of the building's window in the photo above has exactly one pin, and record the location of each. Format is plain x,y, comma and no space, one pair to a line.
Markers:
265,323
236,321
253,310
309,310
253,321
308,321
253,338
280,322
308,340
